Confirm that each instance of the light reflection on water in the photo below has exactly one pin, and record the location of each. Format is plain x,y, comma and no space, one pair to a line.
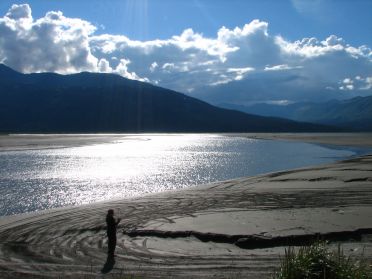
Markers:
135,165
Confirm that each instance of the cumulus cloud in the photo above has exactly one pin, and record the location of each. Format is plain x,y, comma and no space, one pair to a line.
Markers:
104,66
356,83
53,43
190,61
122,69
19,12
237,65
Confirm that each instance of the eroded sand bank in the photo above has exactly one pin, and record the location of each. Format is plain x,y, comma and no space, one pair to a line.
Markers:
201,232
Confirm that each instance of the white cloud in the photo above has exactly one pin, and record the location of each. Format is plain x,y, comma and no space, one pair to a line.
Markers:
168,66
190,61
153,67
282,67
104,66
17,12
240,73
367,83
357,83
52,43
280,102
122,69
240,64
311,47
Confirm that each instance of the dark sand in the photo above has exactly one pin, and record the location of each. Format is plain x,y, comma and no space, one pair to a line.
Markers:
229,229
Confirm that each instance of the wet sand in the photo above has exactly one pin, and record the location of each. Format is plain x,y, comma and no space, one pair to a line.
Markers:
339,139
229,229
15,142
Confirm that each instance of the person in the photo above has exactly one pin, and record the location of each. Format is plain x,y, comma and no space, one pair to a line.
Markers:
112,224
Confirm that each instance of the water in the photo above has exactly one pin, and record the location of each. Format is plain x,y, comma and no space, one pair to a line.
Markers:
136,165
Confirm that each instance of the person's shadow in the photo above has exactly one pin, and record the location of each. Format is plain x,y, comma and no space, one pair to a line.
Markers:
109,265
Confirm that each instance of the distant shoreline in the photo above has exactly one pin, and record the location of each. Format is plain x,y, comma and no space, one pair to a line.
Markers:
339,139
12,142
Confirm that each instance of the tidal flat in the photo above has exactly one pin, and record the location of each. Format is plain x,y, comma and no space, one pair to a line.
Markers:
236,228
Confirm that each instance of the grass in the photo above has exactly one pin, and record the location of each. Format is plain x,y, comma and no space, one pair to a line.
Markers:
317,262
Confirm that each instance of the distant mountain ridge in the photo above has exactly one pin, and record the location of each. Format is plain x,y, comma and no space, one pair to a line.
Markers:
96,102
353,114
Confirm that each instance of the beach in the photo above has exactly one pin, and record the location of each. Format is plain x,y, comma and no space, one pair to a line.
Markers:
229,229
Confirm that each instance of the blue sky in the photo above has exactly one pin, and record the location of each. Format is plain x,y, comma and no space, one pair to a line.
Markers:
161,19
235,51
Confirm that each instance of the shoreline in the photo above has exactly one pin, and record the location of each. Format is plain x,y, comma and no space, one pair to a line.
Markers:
234,168
70,242
361,140
14,142
236,228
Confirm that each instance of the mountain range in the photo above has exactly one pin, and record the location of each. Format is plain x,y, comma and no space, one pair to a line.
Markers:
96,102
352,114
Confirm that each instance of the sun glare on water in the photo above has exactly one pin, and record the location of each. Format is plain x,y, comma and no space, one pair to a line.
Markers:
135,165
113,161
123,167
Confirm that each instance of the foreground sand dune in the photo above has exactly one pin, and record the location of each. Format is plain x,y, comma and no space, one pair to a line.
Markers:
200,232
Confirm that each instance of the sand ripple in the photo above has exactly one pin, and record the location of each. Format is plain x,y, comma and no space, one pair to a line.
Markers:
71,242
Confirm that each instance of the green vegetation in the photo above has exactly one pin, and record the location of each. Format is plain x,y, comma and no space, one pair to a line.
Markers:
317,262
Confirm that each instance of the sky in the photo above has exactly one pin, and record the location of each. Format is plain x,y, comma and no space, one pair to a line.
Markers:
235,51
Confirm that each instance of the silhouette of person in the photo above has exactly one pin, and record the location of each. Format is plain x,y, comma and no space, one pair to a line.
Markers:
112,224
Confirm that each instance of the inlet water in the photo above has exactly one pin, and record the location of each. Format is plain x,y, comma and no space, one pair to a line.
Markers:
136,165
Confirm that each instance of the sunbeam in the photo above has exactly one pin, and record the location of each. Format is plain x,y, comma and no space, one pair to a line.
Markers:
135,17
